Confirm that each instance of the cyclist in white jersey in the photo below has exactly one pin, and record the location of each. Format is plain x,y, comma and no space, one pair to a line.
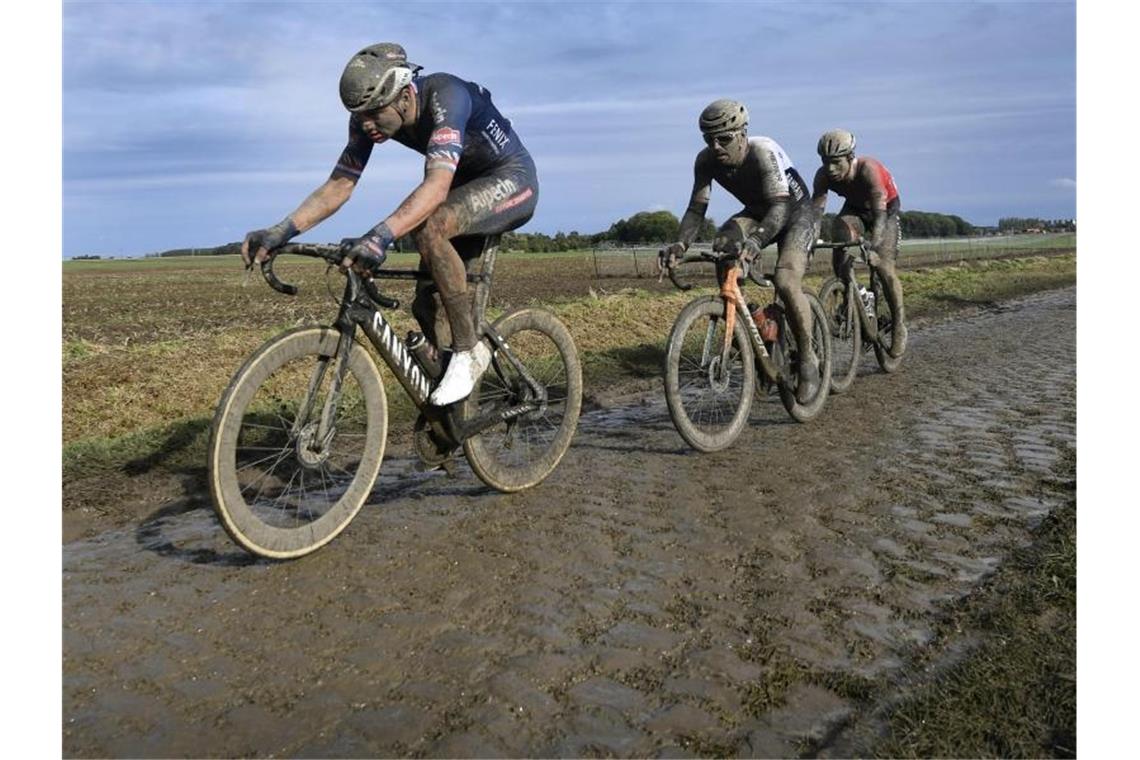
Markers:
777,208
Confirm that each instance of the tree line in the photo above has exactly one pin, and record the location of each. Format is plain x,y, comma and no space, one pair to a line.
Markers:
645,227
656,227
1033,224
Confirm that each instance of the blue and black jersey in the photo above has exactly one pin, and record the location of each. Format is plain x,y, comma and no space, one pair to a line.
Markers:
458,128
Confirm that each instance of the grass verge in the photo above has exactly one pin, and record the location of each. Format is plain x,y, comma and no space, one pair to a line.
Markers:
144,408
1015,695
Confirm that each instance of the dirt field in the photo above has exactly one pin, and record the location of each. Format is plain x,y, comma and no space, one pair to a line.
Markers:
770,600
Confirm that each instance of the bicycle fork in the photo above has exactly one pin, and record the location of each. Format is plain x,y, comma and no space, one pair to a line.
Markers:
734,305
312,444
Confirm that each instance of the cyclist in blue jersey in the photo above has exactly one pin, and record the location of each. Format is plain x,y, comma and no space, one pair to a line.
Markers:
478,180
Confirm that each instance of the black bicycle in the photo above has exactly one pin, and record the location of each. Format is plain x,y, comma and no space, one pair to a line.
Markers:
716,347
860,319
299,434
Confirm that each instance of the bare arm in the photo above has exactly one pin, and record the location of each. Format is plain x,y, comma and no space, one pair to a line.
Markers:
418,206
819,190
878,204
774,220
698,204
320,205
324,201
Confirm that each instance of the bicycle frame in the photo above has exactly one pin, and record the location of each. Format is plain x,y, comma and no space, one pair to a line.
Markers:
869,323
729,274
358,308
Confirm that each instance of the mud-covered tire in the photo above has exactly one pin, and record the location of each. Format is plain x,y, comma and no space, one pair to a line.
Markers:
885,322
516,455
846,332
708,415
257,413
821,344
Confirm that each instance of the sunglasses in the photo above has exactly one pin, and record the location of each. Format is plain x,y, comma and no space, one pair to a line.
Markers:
723,139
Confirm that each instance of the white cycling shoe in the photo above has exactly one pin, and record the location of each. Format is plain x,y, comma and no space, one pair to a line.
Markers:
463,371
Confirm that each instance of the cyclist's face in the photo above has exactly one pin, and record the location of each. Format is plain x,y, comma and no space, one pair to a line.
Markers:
727,147
837,167
382,123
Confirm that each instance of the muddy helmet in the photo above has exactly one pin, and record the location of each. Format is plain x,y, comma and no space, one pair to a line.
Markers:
723,116
374,76
836,143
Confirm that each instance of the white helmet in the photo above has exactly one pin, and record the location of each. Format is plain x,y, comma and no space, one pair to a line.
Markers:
836,143
723,116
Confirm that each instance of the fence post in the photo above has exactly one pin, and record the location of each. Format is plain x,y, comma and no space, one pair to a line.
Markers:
636,272
596,274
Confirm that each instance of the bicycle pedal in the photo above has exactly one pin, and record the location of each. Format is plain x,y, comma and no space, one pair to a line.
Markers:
447,467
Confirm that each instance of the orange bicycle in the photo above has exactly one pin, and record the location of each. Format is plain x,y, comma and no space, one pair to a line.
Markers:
716,348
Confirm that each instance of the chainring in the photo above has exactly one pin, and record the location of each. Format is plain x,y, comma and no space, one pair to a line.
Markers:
430,448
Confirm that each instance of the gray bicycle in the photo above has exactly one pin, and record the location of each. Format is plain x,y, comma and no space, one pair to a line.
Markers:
300,432
860,319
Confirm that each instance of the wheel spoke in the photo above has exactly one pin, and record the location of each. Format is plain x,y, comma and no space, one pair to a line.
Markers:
274,477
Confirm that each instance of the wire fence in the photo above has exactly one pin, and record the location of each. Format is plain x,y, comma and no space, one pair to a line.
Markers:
641,261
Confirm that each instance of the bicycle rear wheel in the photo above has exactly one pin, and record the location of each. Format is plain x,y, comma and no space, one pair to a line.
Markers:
839,305
521,452
279,487
708,400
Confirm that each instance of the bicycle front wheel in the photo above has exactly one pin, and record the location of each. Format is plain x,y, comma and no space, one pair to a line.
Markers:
839,305
292,457
709,395
520,452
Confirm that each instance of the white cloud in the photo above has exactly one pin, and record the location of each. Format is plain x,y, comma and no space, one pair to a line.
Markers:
1064,183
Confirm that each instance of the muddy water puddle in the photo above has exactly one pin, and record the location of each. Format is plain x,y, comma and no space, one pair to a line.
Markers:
645,600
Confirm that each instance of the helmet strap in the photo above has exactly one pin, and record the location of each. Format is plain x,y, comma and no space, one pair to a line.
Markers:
405,104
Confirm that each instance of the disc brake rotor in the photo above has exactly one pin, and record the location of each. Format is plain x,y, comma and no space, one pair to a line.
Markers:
307,454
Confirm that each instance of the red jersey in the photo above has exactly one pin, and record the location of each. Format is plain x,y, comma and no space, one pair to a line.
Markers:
871,187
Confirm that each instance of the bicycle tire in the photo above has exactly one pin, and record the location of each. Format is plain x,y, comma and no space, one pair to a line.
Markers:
261,406
885,321
821,344
521,453
688,376
839,303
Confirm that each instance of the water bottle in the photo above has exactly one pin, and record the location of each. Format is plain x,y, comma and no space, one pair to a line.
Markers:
767,321
425,353
868,299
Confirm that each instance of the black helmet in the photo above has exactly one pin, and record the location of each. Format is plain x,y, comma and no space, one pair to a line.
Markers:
723,116
374,76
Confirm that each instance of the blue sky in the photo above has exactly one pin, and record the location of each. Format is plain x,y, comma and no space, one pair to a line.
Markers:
188,124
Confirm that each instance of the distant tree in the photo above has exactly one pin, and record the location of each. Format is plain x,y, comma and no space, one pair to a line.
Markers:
920,224
646,227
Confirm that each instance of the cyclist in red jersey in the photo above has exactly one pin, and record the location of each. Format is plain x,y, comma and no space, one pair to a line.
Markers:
870,211
479,180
